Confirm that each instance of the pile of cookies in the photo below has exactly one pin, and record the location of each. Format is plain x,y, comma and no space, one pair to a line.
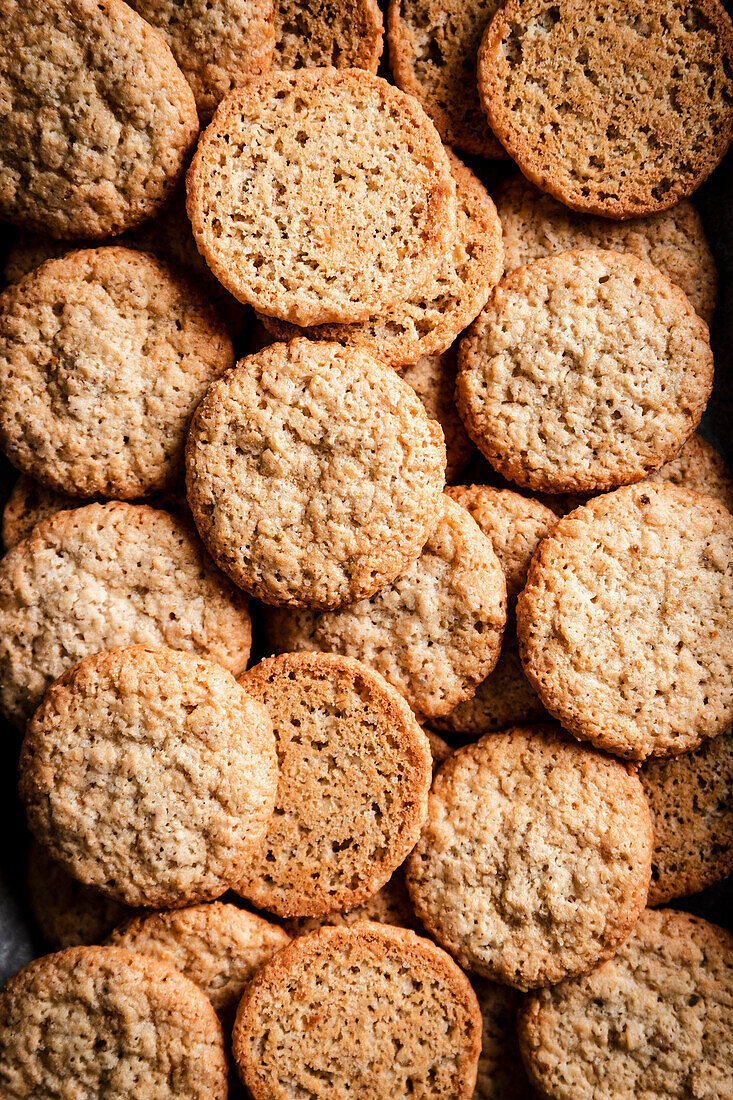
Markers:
366,611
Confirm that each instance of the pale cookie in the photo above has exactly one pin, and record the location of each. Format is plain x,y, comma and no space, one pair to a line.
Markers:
535,859
434,633
434,381
314,474
390,905
626,624
321,195
344,34
698,466
691,801
104,356
505,698
368,1011
615,107
93,1022
586,370
535,225
98,120
500,1075
354,780
655,1022
103,576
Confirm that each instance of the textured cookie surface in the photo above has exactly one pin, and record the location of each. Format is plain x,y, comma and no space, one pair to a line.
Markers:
104,355
344,34
98,118
390,905
699,467
321,195
355,771
434,381
617,107
401,1020
586,370
500,1074
314,474
655,1021
535,859
625,624
99,1021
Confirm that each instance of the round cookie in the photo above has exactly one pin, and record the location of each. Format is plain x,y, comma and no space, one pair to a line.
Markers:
103,576
625,625
616,107
434,381
500,1074
434,633
505,698
99,1021
586,370
655,1021
344,34
390,905
321,195
699,467
314,474
355,772
98,118
104,356
535,859
402,1019
536,225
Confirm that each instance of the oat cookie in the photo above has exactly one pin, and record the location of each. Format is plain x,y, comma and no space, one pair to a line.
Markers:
586,370
698,466
99,1021
616,107
314,474
344,34
402,1019
351,167
625,626
103,576
505,698
434,381
355,772
500,1075
98,120
390,905
535,859
655,1021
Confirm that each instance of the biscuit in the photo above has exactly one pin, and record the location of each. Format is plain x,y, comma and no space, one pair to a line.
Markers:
99,1021
98,120
434,381
439,749
321,195
104,356
343,34
355,772
314,474
656,1021
390,905
535,859
505,698
368,1011
536,225
625,626
699,467
434,633
586,370
103,576
500,1075
618,107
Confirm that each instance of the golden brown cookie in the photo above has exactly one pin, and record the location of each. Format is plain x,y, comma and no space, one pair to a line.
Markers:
390,905
344,34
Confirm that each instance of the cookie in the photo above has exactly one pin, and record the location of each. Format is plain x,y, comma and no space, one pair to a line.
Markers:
434,633
618,107
505,698
655,1021
535,225
369,1010
104,356
500,1074
390,905
99,1021
585,371
434,381
535,859
698,466
344,34
103,576
691,800
354,779
98,118
321,195
439,749
625,623
314,474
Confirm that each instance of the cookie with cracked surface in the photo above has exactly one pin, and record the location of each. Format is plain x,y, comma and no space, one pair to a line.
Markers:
314,474
585,371
535,859
109,575
655,1021
99,120
618,107
500,1074
355,771
104,356
344,34
625,627
354,169
117,1025
414,1026
390,905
